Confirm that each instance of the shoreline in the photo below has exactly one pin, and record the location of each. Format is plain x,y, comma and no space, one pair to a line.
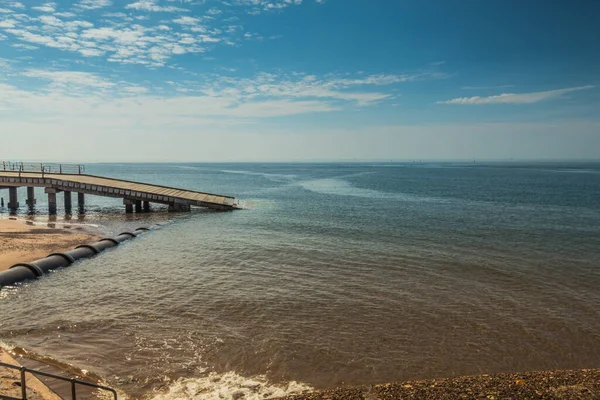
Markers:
10,382
24,242
581,384
576,384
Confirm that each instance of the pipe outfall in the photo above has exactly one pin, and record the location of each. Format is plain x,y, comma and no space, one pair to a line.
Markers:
28,271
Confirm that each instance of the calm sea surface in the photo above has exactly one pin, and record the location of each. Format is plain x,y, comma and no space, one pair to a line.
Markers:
334,274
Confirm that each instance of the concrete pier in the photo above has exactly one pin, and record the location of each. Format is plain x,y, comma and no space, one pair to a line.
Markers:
68,202
51,200
30,196
13,200
56,178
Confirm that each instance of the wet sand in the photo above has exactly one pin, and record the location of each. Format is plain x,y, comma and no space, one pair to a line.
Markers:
568,384
10,382
21,242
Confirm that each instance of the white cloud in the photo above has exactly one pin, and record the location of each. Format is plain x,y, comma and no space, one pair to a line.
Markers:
7,23
64,93
123,38
185,20
486,87
64,79
94,4
152,5
16,4
47,7
309,86
5,11
513,98
65,14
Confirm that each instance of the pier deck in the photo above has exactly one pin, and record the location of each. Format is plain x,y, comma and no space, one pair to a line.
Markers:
132,193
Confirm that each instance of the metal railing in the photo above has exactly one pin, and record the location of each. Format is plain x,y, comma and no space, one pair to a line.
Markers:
43,168
74,382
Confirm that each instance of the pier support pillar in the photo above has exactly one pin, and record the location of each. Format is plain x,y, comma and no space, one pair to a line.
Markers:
128,206
138,206
81,202
68,202
177,207
30,197
51,200
13,199
146,206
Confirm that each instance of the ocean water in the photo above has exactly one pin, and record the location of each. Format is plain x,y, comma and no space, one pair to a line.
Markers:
333,274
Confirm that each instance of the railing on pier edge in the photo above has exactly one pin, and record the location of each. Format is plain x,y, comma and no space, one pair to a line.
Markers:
74,382
43,168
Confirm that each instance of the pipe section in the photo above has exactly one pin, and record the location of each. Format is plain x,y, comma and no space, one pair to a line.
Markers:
33,270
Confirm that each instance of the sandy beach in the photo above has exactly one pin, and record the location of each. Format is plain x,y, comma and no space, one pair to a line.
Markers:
21,242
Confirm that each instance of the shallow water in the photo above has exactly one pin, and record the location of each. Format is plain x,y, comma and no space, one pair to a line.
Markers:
334,274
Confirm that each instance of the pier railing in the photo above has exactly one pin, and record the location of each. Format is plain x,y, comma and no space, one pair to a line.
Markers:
43,168
74,382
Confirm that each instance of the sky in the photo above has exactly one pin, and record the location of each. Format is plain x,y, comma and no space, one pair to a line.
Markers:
299,80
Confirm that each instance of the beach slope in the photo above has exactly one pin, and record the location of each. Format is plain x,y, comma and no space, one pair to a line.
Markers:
20,242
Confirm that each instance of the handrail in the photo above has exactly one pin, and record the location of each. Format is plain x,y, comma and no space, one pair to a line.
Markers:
44,168
73,381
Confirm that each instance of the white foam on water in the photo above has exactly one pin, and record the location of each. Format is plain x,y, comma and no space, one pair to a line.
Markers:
7,347
228,386
253,204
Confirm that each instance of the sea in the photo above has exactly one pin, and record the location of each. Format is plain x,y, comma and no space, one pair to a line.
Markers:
332,274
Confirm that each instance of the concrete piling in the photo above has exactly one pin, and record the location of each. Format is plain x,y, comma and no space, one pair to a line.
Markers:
178,207
68,202
128,206
138,206
13,200
30,197
81,202
51,200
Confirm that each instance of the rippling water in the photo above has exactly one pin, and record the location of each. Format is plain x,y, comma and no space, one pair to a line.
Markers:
334,274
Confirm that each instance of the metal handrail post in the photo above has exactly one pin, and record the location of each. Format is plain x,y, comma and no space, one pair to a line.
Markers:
73,390
23,384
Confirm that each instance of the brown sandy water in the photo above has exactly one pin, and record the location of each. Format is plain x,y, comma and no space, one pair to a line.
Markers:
326,282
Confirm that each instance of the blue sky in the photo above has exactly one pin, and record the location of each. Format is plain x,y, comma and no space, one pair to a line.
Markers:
288,80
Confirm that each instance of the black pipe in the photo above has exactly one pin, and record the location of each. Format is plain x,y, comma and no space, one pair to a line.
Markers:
51,263
67,257
31,267
16,274
128,233
81,252
28,271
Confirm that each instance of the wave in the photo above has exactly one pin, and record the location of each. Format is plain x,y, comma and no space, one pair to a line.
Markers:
228,386
272,177
341,187
575,171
